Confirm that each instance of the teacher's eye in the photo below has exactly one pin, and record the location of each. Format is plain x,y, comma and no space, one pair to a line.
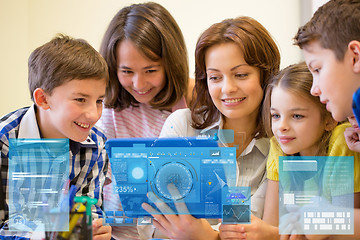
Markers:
214,78
241,75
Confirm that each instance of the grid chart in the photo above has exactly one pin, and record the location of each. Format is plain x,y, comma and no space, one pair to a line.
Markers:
330,220
316,195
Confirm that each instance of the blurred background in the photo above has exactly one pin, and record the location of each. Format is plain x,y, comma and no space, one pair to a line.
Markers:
27,24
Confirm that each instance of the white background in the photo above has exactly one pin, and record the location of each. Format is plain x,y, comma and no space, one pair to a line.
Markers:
27,24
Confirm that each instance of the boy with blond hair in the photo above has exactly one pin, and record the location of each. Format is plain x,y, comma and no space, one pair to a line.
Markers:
67,81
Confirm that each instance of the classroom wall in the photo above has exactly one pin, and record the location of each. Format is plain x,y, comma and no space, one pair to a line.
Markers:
25,26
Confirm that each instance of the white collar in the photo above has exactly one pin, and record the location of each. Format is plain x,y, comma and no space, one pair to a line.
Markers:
219,124
29,128
262,144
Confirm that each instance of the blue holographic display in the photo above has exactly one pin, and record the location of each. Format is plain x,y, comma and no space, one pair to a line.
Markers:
198,168
236,205
38,184
316,195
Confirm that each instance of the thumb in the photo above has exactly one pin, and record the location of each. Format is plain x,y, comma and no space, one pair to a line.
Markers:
97,223
284,237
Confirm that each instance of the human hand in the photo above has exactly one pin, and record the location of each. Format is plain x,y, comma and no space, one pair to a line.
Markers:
292,237
257,229
302,237
101,232
289,223
232,231
318,237
352,138
305,237
178,226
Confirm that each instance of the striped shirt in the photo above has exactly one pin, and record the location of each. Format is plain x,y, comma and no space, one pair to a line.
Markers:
142,121
88,160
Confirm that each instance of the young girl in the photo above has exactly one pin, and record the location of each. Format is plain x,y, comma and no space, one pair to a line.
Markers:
234,60
302,126
146,54
147,59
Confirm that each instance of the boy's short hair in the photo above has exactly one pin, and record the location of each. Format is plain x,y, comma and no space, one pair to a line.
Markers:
64,59
334,25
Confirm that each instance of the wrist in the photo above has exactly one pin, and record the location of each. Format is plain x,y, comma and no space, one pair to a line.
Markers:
274,233
214,236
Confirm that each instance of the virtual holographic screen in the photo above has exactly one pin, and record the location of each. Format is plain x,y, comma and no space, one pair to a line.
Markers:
236,205
38,184
198,171
317,193
222,136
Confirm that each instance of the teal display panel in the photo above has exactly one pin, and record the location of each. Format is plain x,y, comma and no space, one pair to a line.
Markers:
316,195
38,185
236,205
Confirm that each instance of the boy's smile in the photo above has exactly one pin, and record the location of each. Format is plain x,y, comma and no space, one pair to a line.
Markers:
72,109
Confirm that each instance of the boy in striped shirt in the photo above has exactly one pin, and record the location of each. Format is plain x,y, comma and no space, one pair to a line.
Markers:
67,81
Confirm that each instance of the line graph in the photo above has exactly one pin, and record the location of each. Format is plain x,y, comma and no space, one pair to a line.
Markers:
233,214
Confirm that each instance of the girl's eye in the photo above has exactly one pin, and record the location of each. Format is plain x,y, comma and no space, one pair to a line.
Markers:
100,101
151,71
275,116
126,71
298,116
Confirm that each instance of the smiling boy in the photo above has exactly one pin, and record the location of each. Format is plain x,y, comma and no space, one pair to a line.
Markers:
67,81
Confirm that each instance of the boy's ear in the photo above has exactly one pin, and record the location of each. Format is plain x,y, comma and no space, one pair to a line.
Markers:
354,47
40,98
330,123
